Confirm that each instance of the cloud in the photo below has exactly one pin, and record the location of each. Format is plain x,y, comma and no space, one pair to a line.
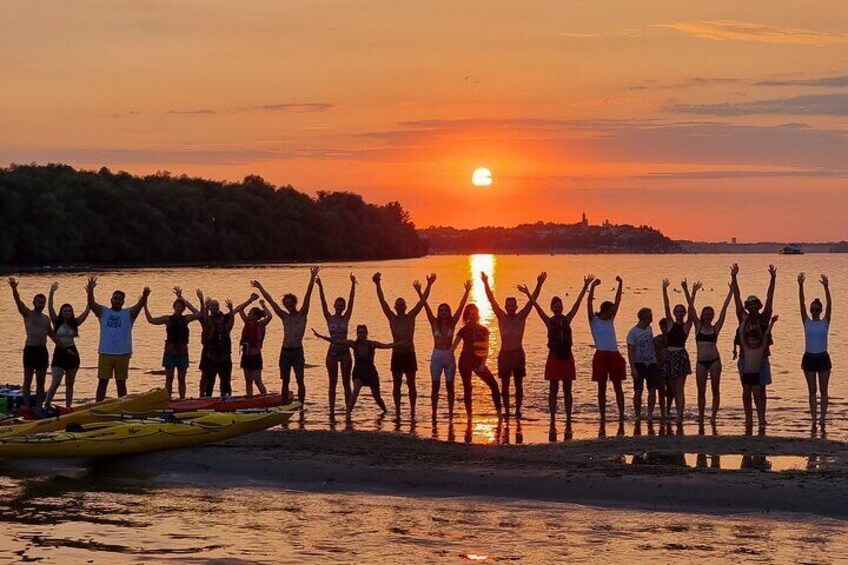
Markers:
742,174
805,105
688,83
731,30
629,33
296,107
836,81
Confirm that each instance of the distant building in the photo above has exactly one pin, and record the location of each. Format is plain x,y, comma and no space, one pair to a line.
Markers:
585,221
732,241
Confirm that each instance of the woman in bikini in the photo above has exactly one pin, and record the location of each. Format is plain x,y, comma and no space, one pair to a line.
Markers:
443,325
66,362
677,365
708,358
364,371
338,356
472,359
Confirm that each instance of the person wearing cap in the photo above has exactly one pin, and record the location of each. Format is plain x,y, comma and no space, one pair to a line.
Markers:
762,315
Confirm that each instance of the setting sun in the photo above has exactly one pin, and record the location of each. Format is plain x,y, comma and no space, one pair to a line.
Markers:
481,177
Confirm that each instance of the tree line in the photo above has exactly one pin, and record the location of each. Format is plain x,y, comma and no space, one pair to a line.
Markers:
56,215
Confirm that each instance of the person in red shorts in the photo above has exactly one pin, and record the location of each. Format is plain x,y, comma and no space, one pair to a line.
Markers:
560,364
608,364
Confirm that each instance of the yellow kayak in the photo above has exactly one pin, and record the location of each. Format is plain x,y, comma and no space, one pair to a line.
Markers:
124,437
156,399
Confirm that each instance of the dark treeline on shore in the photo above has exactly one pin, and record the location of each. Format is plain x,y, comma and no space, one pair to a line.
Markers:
548,237
56,215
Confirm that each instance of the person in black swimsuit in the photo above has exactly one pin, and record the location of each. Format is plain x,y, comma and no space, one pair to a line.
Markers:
677,365
364,371
472,359
708,359
175,357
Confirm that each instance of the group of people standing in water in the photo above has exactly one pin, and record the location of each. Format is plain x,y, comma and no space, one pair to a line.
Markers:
657,362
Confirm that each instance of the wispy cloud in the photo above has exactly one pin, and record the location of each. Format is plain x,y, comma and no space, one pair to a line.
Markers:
199,112
295,107
744,173
834,81
629,33
732,30
696,82
805,105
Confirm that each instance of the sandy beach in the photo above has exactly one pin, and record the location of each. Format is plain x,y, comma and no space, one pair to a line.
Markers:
592,472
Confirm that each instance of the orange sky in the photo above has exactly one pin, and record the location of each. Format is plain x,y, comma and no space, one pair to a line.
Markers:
679,114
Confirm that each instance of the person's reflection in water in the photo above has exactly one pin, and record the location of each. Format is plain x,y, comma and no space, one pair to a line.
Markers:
814,462
333,425
413,426
701,461
380,422
602,430
755,462
468,432
620,432
451,432
503,434
567,434
519,435
651,430
301,420
637,428
435,432
680,430
552,434
715,462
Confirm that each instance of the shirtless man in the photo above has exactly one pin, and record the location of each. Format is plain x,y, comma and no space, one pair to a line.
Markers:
511,323
402,324
38,329
294,328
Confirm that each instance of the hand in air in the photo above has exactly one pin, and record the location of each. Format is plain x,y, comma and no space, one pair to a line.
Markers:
353,278
802,278
313,272
697,286
416,284
377,278
619,280
665,284
13,282
229,304
772,271
467,285
522,288
596,283
256,284
734,270
254,297
825,281
588,280
431,278
484,277
541,278
54,287
178,292
145,293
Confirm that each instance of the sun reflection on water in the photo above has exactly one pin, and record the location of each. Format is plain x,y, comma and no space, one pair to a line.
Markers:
482,263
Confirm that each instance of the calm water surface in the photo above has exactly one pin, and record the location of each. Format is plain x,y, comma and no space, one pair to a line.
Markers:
642,274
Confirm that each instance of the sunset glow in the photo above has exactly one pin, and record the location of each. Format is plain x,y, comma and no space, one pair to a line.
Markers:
481,177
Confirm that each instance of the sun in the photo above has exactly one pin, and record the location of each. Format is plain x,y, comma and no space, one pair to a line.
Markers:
481,177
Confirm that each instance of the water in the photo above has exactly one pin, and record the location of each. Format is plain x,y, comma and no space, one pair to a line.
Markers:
92,517
788,412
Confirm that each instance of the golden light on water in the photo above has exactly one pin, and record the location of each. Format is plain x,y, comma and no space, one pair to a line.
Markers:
482,263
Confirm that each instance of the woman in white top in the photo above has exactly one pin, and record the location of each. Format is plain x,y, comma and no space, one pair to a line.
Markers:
608,363
816,361
66,361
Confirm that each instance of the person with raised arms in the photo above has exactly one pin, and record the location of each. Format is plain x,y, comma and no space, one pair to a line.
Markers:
116,337
816,362
252,338
292,356
472,360
754,309
36,357
644,366
754,343
560,365
511,358
175,358
66,361
364,370
708,359
677,364
402,325
443,326
607,364
216,356
338,356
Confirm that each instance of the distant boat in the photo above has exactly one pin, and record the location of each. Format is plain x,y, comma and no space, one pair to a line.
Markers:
793,249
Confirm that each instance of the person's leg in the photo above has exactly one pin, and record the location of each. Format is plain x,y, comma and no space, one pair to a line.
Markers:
747,398
121,385
58,373
519,393
357,386
824,381
378,398
169,380
28,374
209,382
679,398
40,381
256,377
226,376
553,390
435,385
759,402
105,368
568,398
412,391
299,374
602,399
102,387
467,389
715,385
346,368
619,399
504,375
701,374
487,377
333,374
652,403
248,382
285,375
661,396
638,387
181,381
70,379
122,373
397,385
812,395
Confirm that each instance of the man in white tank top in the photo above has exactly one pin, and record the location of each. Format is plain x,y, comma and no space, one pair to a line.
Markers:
116,323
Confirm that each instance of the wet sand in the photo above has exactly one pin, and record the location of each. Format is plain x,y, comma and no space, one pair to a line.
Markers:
592,472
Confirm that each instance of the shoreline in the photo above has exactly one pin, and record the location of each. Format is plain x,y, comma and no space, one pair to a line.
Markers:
589,472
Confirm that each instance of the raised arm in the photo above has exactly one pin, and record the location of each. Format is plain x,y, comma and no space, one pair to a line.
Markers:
89,293
723,315
828,307
240,308
323,298
690,302
531,300
142,302
491,296
17,296
307,296
734,289
540,280
587,282
276,307
202,313
50,305
457,315
770,328
349,312
665,284
590,301
618,295
422,300
378,282
158,321
427,310
772,284
195,313
267,316
801,297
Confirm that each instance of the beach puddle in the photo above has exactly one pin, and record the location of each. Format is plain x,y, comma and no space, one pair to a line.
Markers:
730,462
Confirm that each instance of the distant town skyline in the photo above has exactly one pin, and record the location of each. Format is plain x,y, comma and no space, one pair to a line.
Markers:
707,121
